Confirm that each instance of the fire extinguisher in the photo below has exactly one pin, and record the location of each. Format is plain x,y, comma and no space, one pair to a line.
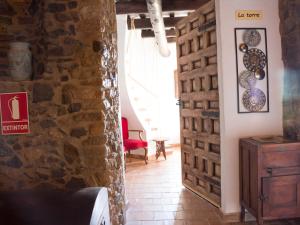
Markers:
13,105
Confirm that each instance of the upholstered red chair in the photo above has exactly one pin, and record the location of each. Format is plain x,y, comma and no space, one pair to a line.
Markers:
133,144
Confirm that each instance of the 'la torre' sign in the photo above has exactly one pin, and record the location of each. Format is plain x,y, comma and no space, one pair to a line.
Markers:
249,14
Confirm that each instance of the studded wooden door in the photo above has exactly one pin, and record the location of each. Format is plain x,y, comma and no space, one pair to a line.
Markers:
199,103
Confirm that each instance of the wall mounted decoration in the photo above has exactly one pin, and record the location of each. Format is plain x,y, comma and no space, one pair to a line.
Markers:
14,113
252,70
19,57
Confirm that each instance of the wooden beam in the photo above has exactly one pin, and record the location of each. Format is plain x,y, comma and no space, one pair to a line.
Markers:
150,33
138,7
146,23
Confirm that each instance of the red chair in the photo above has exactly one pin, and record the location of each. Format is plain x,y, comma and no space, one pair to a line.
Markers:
133,144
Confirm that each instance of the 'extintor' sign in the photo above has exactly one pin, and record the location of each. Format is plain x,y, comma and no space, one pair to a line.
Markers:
14,113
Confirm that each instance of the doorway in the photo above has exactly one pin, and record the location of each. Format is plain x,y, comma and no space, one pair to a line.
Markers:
199,118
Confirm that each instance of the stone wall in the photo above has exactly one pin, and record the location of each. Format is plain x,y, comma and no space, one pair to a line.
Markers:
73,99
290,33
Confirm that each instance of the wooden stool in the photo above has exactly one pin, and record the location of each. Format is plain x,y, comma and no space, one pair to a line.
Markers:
160,147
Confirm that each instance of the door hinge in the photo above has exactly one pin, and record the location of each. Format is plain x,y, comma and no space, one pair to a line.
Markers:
263,198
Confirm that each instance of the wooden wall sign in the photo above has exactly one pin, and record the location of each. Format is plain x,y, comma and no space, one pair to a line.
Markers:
249,14
14,113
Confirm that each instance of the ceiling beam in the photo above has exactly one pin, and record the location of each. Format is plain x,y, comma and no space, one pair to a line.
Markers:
150,33
133,7
146,23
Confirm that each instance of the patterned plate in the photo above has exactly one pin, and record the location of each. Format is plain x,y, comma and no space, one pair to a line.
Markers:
254,59
254,99
260,74
243,47
251,37
247,79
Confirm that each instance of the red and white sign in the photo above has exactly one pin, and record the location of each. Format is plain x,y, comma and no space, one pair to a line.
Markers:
14,113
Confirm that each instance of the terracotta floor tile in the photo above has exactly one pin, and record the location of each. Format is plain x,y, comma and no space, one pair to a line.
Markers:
157,197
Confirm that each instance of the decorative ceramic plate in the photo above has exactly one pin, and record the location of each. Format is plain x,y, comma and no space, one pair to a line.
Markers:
247,79
254,59
243,47
254,99
251,37
260,74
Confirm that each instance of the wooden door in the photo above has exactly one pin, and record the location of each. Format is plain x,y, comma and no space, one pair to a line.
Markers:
281,197
199,110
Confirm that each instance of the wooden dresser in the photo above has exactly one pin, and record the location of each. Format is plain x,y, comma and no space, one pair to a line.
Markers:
270,178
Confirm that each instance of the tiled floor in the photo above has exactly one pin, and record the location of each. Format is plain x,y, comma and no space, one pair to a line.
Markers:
156,196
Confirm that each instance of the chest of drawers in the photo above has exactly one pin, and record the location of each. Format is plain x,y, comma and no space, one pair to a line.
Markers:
270,178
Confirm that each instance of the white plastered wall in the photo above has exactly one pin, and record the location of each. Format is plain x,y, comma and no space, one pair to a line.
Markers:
126,108
233,124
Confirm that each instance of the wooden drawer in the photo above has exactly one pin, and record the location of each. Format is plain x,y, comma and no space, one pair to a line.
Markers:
281,197
280,159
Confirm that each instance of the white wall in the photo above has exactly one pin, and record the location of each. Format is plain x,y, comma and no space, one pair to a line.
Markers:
234,125
126,108
156,74
140,59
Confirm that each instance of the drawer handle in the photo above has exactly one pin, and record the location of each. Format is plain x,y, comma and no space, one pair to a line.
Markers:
270,171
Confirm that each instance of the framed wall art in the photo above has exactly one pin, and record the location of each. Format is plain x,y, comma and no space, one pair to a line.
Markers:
252,70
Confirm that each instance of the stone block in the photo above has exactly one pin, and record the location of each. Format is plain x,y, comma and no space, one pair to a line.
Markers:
72,5
96,140
72,42
63,17
78,132
47,123
57,51
25,20
97,46
6,37
56,7
91,116
17,147
95,157
74,107
40,69
34,7
5,150
71,153
64,78
5,20
42,92
72,30
96,129
57,33
6,9
14,162
61,111
3,54
58,173
75,183
69,66
42,176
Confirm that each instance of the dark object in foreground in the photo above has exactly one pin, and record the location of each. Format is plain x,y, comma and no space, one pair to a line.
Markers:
32,207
